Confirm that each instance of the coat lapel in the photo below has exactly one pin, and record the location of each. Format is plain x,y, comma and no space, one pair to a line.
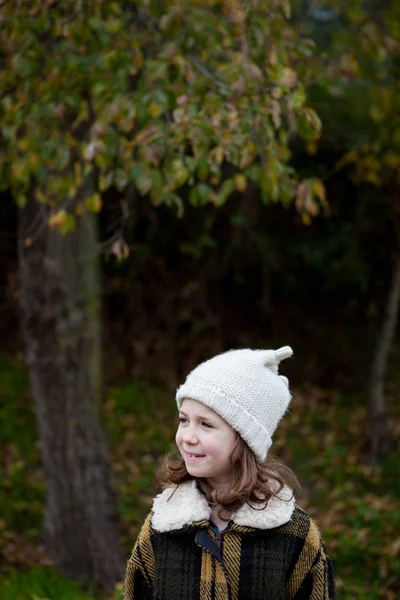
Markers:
184,505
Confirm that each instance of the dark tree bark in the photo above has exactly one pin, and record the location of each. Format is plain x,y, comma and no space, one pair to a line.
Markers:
380,441
59,291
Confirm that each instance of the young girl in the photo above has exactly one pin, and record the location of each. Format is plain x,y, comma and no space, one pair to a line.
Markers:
226,526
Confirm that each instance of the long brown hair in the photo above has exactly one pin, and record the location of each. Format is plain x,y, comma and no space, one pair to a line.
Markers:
252,481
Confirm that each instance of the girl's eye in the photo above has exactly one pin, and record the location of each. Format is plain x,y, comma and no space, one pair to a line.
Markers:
207,425
182,420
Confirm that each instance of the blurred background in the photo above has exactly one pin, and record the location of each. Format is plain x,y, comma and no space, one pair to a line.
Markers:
178,179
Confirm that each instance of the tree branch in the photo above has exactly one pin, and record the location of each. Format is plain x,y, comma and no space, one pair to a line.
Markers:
204,71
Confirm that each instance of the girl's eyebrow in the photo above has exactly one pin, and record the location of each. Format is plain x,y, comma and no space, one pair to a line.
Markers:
196,416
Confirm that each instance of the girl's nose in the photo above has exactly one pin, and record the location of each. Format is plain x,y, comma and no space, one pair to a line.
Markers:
190,436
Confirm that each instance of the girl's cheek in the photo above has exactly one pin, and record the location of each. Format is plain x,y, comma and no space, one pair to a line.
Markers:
212,450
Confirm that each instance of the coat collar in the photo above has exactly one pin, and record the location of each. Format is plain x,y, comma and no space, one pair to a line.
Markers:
177,507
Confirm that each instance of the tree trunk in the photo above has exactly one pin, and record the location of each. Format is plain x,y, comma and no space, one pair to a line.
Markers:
380,442
60,305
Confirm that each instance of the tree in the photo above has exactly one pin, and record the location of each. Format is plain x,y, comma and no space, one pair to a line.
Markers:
59,298
362,82
111,95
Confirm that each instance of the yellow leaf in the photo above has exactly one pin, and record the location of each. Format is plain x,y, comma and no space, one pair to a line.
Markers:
286,8
154,110
305,202
319,191
137,59
57,220
94,203
301,194
372,163
78,173
390,44
240,182
394,548
219,154
120,250
392,160
312,148
288,78
273,58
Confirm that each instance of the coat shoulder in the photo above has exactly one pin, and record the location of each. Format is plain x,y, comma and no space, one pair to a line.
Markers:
145,533
302,526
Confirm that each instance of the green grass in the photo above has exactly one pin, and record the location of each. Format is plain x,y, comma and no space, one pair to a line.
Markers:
356,505
323,439
40,583
139,418
21,485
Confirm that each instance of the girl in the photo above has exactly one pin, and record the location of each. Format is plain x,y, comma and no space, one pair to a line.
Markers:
226,526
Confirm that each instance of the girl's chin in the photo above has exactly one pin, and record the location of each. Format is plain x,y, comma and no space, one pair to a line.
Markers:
197,470
194,465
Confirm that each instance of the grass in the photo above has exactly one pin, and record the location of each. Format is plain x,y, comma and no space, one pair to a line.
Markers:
323,439
356,505
21,483
40,583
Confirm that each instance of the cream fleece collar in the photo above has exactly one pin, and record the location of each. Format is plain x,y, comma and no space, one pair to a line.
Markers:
187,505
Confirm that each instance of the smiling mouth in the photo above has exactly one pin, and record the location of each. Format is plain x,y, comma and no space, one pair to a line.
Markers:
190,456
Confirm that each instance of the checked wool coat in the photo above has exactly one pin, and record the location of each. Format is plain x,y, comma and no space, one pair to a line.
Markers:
270,554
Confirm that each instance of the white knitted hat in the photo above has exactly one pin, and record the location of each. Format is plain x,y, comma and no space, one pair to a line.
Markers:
245,389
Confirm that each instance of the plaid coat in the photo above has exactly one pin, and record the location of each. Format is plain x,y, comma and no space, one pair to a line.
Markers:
271,554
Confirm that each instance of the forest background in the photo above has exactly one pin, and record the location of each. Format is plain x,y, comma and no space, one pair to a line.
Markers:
176,180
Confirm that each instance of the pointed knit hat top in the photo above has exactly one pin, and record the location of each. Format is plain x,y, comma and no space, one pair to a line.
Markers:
244,388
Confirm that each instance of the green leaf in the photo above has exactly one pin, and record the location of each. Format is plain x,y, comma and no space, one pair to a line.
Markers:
20,199
297,99
254,173
306,47
203,168
141,177
309,124
157,194
286,8
62,221
24,66
93,203
179,173
172,199
203,193
225,191
194,196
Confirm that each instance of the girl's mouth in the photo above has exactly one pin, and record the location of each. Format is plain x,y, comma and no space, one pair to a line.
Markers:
190,456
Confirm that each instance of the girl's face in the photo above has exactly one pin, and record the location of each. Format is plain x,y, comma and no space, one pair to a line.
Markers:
205,442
